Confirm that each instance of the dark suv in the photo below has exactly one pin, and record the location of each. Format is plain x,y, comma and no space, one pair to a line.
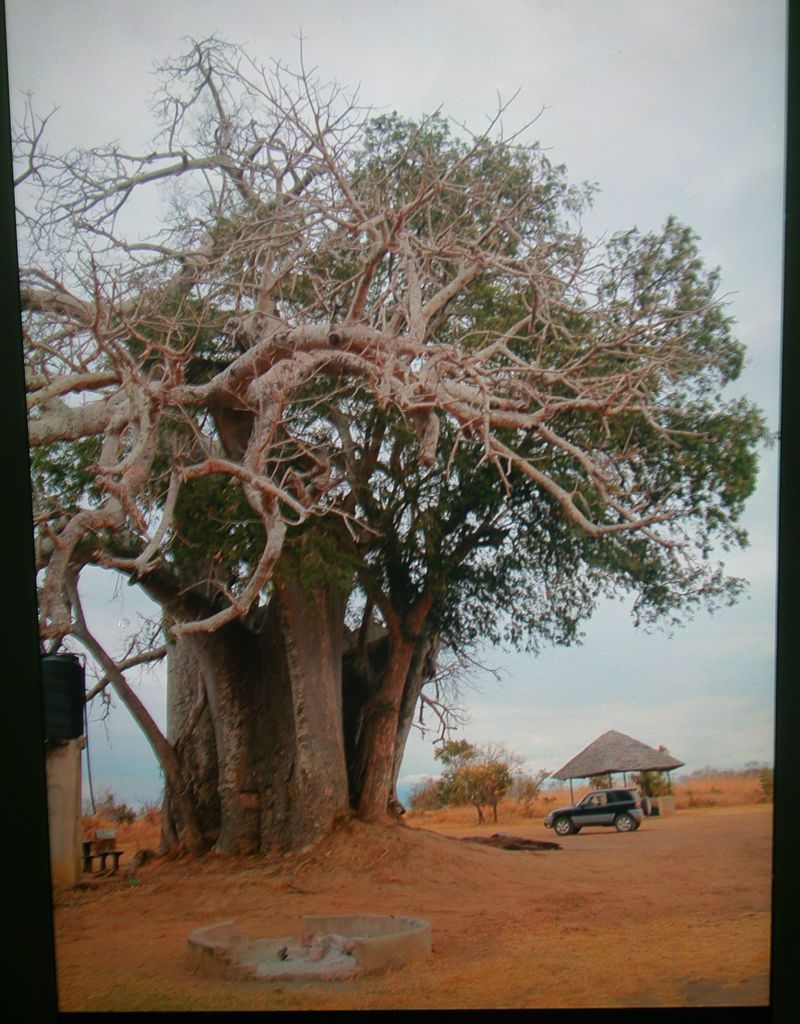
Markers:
621,808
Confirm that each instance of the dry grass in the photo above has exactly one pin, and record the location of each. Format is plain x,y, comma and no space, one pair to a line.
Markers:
708,789
730,789
139,834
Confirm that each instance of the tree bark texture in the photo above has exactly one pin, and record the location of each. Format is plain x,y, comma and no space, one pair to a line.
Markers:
377,742
190,730
265,758
386,713
311,640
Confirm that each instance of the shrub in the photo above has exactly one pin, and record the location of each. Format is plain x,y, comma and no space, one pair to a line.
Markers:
150,812
526,789
426,796
652,783
109,807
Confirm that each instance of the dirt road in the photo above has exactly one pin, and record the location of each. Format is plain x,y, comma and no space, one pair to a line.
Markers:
675,914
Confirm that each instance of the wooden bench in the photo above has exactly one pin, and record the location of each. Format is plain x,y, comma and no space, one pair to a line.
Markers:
101,848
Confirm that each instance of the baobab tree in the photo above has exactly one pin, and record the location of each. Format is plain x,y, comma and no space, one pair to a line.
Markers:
364,389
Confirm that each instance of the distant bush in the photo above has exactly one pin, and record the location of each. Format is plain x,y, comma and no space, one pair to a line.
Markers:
652,783
109,807
526,789
426,796
707,772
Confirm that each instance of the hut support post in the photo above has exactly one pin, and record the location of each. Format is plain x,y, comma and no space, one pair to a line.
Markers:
571,794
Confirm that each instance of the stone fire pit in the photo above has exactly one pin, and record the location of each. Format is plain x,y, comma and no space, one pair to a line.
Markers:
328,948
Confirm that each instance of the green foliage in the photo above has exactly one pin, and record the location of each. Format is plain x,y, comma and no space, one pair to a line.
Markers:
652,783
316,558
454,753
484,783
186,325
455,531
401,157
214,522
601,782
62,474
480,776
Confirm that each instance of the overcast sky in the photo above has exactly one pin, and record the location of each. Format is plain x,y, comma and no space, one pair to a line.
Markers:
671,107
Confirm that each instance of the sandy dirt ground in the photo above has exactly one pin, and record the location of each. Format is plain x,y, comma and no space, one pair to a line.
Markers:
675,914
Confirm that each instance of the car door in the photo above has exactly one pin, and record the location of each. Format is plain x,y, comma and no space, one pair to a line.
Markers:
593,810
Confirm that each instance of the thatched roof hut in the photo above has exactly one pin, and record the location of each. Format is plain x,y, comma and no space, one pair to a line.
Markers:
616,752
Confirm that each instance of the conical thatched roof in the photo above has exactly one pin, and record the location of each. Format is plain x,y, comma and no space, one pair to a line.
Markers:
616,752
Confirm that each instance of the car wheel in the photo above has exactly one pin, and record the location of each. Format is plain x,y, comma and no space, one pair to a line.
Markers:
563,826
624,823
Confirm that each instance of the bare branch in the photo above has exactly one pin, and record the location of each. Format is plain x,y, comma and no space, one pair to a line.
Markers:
308,266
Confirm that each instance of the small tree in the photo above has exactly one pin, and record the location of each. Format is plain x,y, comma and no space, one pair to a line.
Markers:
485,782
600,781
455,755
480,776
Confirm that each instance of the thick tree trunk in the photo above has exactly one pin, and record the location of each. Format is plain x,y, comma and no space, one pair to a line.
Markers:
377,747
384,721
312,635
362,672
190,730
365,688
272,752
266,756
237,703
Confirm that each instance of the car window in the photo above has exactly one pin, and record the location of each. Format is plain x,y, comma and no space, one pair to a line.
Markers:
596,800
